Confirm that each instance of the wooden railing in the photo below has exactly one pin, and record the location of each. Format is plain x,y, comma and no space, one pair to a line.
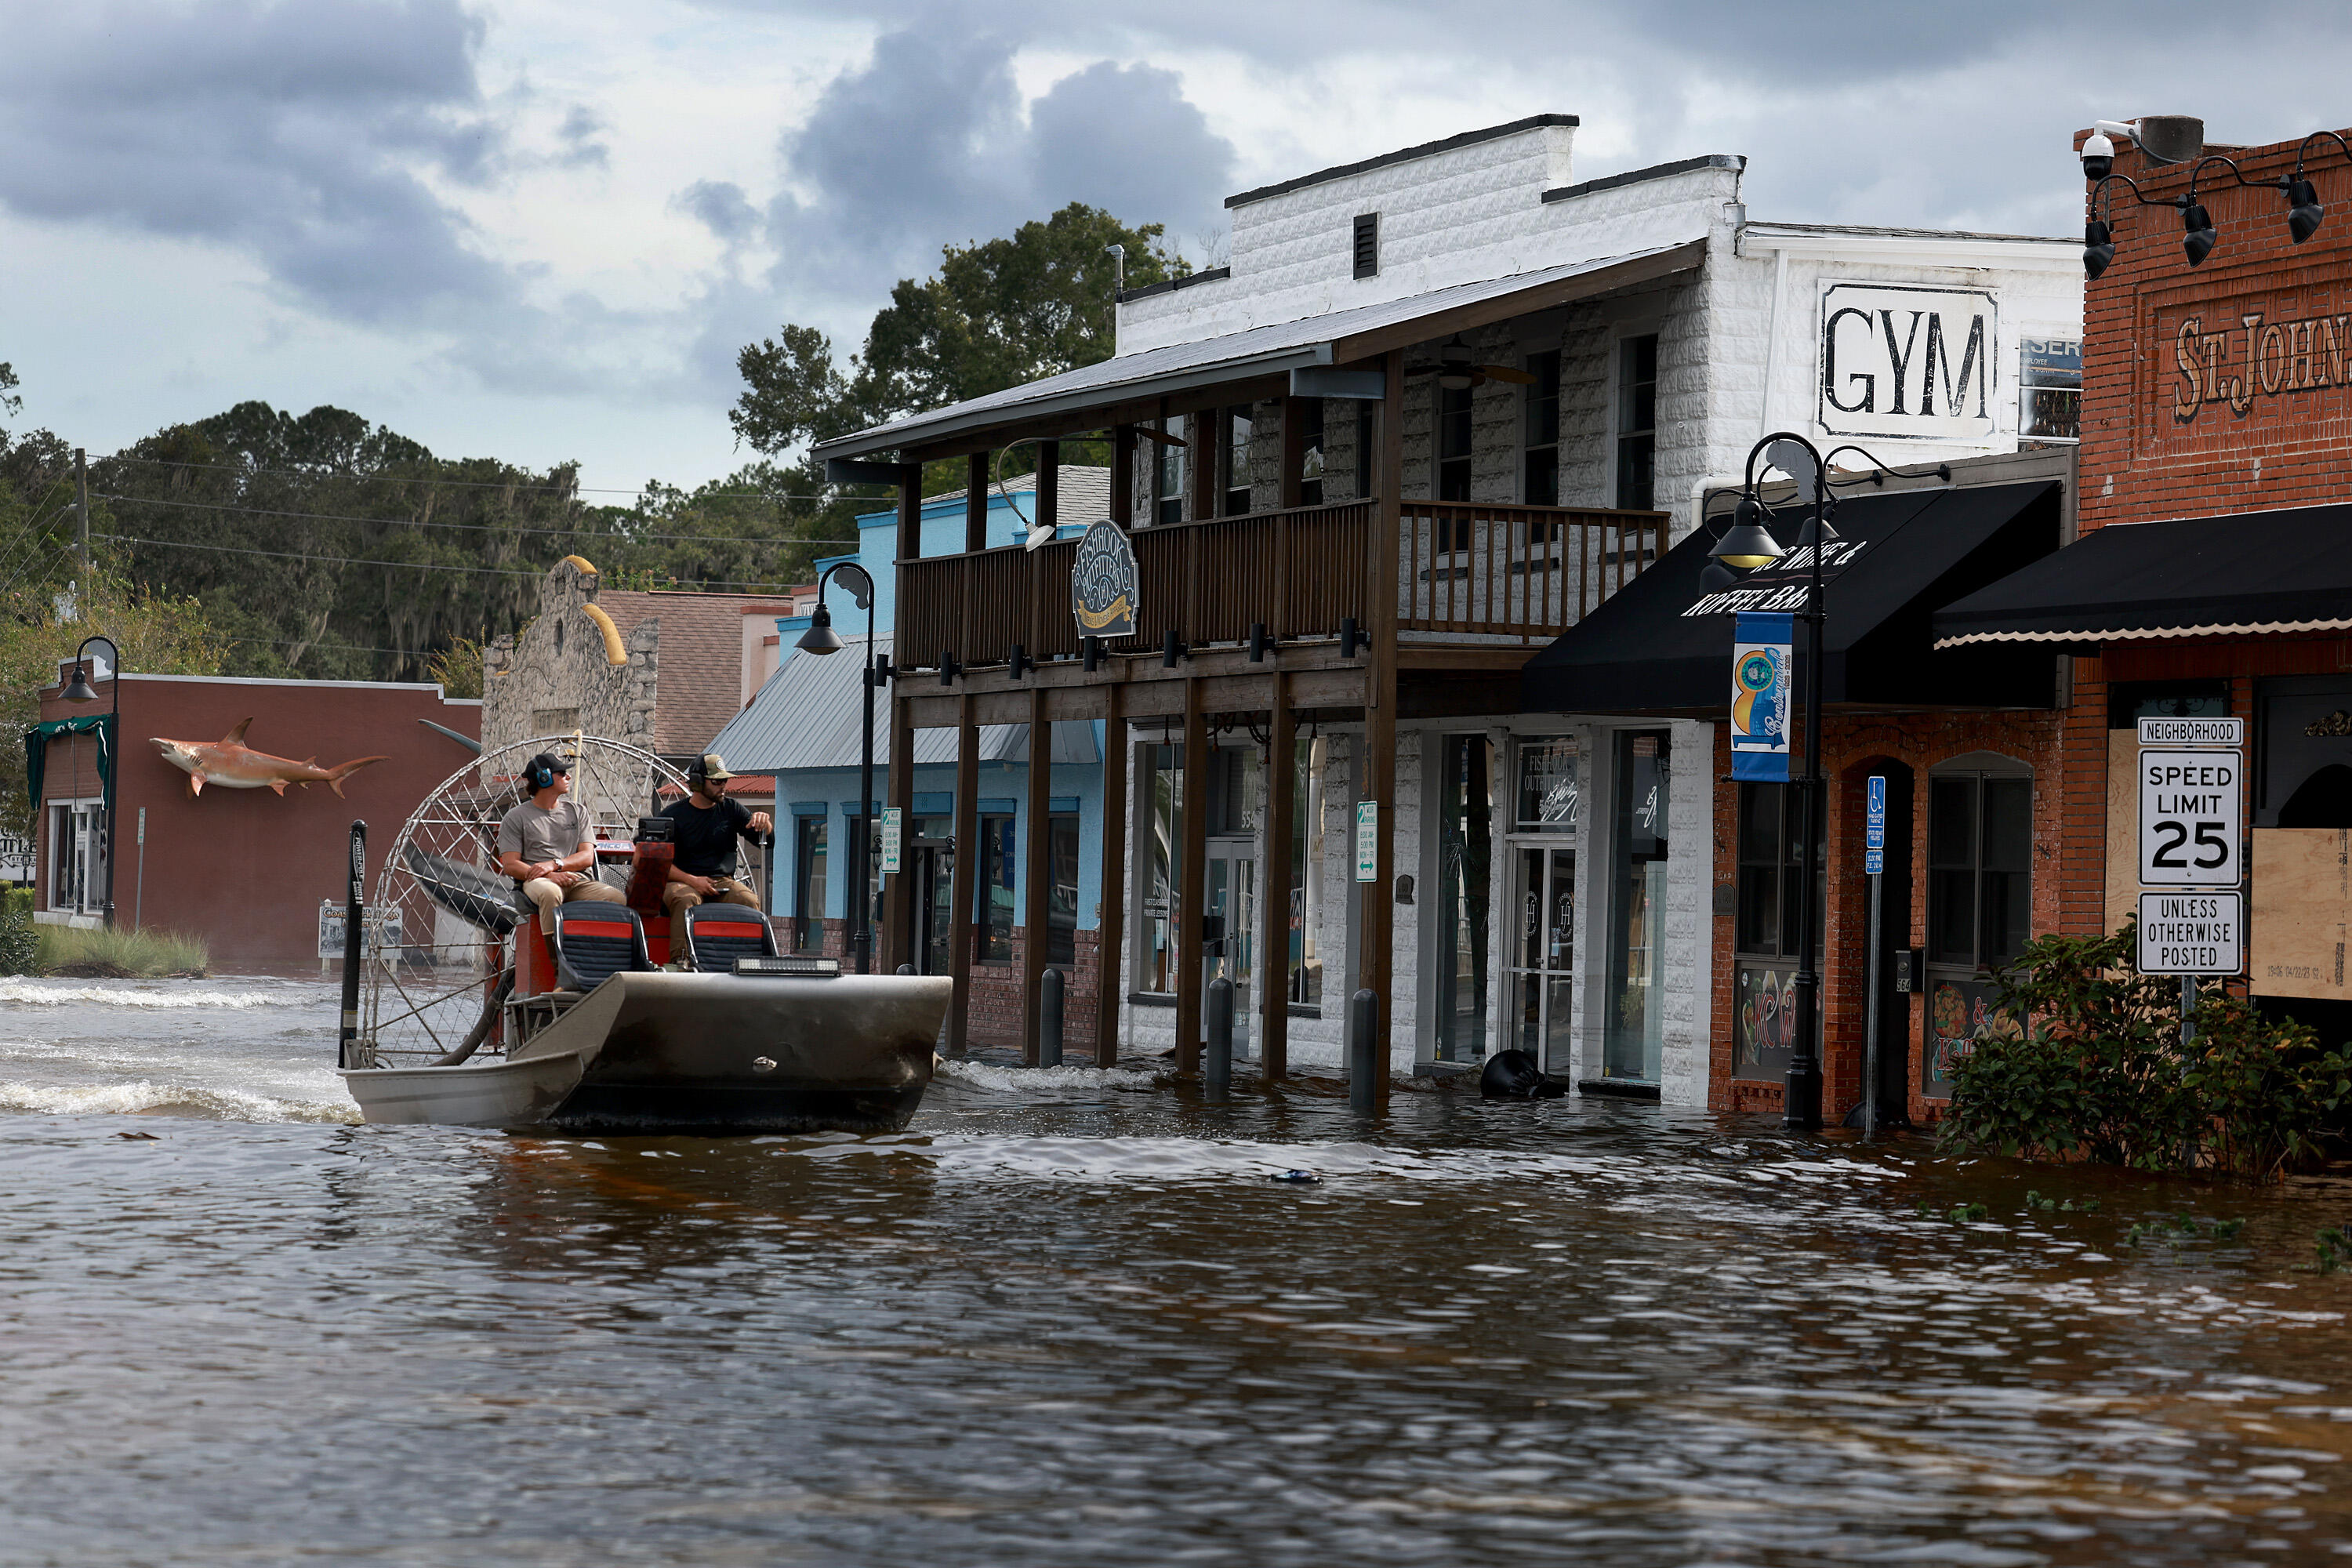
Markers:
1525,573
1520,573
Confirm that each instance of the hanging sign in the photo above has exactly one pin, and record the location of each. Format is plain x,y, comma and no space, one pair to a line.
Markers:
1368,841
892,840
2192,933
1760,667
2190,823
1104,596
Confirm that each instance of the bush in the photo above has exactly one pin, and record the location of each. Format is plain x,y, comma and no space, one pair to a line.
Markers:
120,954
19,950
2100,1071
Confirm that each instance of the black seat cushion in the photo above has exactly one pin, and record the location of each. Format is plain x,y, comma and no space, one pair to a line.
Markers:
595,942
718,934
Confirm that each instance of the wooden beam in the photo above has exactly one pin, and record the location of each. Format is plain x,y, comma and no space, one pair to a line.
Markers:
975,500
1122,476
1036,876
1294,454
1376,962
967,878
1203,430
1274,885
1111,954
1191,882
1102,417
898,944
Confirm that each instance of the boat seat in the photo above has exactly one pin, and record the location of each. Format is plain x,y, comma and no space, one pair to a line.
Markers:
718,934
595,942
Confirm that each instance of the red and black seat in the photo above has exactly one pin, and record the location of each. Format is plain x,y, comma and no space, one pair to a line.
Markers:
595,942
718,934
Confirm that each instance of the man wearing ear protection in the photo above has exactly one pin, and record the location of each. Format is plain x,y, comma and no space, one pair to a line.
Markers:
546,843
708,824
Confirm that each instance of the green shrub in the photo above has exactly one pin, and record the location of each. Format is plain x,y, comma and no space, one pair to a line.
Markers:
2100,1071
19,950
129,954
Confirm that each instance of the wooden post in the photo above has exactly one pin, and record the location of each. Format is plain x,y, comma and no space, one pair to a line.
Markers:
1294,453
1379,925
1274,882
1036,872
975,503
897,946
1122,475
1110,934
1192,879
967,875
1200,430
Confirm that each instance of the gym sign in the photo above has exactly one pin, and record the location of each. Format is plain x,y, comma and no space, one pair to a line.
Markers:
1908,363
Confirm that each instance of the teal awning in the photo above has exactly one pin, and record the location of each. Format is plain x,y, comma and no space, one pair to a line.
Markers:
37,750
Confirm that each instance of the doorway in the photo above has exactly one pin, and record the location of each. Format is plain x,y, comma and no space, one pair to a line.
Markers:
1543,958
1230,902
1891,934
931,859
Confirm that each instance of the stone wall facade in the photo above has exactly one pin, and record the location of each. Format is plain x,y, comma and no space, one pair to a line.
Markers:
555,678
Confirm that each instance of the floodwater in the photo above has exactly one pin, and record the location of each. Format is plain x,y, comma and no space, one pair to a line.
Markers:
1075,1323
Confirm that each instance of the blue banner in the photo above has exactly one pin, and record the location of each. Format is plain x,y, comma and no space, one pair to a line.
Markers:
1760,670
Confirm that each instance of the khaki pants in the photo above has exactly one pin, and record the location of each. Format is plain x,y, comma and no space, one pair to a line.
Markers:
678,898
542,891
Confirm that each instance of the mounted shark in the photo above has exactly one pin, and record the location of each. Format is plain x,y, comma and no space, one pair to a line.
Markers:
232,764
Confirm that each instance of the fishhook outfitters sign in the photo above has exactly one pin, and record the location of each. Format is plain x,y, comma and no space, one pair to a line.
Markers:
1906,362
1104,596
1760,668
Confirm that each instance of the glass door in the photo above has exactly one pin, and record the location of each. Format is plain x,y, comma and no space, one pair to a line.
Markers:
1231,897
1633,1019
933,864
1543,958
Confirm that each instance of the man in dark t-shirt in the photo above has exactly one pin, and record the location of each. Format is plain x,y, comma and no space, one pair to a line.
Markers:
708,825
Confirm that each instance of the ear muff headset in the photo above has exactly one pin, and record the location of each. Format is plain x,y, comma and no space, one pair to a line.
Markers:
541,777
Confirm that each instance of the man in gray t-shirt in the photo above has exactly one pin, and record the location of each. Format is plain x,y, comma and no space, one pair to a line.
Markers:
544,844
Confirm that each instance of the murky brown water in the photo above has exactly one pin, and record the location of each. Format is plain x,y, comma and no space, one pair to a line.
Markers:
1084,1327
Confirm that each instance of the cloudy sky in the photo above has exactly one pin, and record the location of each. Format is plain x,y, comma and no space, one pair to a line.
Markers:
539,229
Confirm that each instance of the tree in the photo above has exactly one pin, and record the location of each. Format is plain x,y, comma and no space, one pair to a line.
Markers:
998,313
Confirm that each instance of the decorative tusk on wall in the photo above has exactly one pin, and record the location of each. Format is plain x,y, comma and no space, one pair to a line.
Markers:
613,652
584,565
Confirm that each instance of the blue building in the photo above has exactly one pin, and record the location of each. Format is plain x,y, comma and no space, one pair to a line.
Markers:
804,728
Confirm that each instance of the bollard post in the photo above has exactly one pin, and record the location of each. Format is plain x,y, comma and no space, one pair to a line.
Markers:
1364,1053
1220,1017
1049,1019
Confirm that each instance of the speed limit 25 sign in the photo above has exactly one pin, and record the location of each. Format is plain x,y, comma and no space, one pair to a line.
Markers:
2189,818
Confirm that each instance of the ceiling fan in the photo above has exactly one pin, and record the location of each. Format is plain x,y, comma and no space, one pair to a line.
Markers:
1456,370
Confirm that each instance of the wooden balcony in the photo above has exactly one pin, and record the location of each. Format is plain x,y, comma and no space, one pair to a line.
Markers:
1467,572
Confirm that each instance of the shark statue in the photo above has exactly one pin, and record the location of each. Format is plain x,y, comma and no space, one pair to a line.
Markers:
232,764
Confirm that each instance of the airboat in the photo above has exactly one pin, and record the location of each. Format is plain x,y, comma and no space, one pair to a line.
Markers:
621,1020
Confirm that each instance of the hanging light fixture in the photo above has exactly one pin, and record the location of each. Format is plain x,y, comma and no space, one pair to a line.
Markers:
2303,211
81,690
2098,247
2197,236
821,638
1747,543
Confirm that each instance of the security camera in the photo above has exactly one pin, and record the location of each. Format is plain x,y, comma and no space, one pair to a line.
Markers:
2098,156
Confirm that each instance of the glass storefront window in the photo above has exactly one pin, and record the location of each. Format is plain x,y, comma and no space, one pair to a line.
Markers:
1062,910
1632,1035
1163,800
1547,796
1979,870
809,872
994,916
1306,966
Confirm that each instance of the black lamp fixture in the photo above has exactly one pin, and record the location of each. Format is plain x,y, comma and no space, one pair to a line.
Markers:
2197,235
2304,211
2098,246
1748,544
821,638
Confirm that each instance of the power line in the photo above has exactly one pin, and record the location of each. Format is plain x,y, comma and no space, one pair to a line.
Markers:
476,484
351,560
471,527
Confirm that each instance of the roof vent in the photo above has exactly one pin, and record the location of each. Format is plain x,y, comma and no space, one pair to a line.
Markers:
1367,244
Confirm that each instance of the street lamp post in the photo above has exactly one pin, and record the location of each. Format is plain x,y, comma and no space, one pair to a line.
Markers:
81,690
821,638
1746,544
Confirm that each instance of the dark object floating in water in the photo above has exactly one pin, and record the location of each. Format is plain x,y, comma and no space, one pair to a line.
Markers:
143,1137
1512,1074
1299,1178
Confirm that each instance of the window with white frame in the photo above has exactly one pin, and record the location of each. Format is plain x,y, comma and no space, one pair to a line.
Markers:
1168,475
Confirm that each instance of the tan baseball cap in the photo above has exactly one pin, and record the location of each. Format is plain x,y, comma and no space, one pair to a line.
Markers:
713,766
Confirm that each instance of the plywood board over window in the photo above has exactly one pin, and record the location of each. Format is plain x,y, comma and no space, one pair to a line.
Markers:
2302,913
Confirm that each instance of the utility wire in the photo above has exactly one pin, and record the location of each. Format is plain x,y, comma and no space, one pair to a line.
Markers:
410,565
588,534
476,484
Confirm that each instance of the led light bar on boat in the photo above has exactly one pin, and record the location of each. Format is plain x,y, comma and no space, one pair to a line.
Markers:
803,967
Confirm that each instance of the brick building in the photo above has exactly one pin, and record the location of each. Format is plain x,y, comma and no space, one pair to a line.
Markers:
2209,579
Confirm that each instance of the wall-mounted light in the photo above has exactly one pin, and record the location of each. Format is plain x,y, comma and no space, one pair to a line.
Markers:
2197,235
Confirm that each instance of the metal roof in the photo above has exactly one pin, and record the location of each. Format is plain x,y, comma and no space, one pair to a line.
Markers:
807,716
1177,367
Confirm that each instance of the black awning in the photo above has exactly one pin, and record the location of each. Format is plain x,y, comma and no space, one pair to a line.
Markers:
2254,572
1656,647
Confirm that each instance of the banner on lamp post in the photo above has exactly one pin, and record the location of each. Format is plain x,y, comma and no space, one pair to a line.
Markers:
1761,669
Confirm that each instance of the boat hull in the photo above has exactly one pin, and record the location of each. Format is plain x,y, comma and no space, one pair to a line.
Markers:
695,1053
